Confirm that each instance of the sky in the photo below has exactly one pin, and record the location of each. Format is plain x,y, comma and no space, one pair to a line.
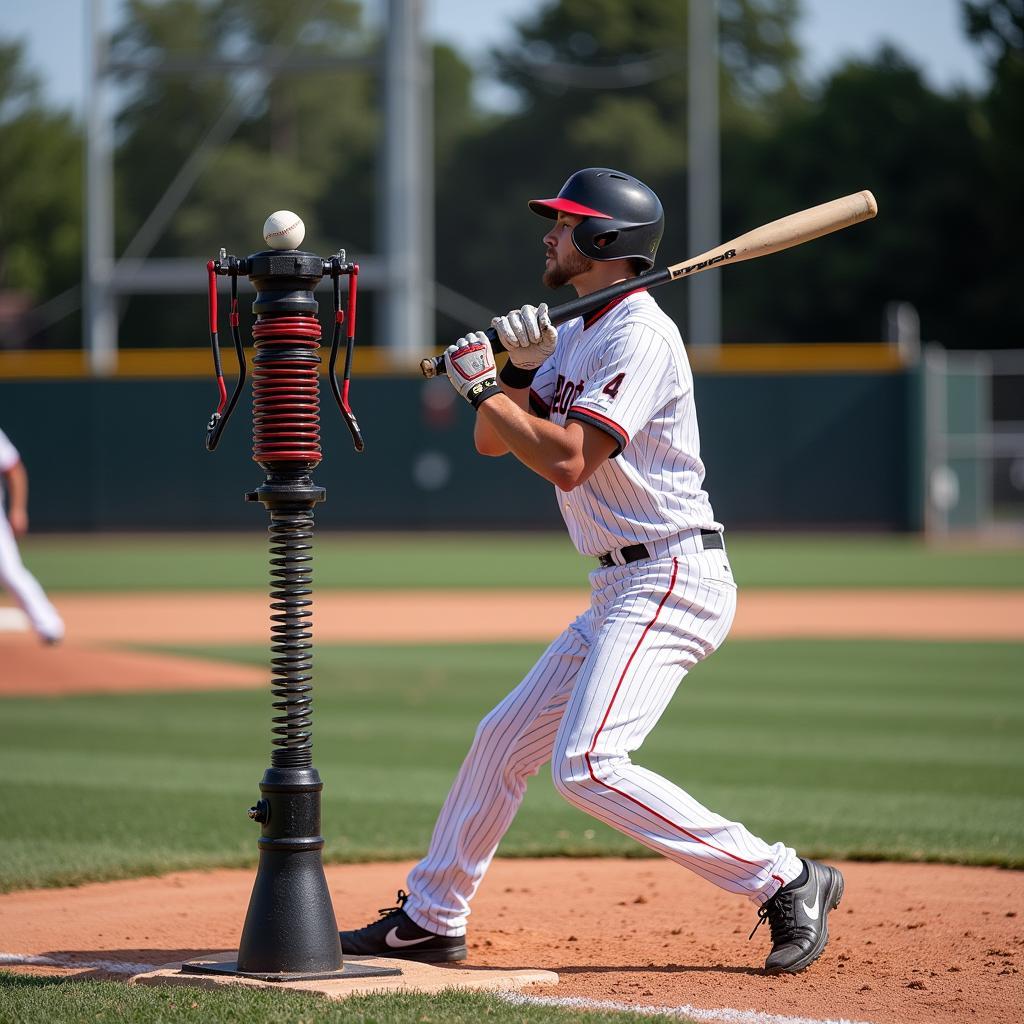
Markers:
927,30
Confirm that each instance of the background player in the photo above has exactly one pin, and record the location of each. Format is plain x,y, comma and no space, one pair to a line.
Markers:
603,408
13,575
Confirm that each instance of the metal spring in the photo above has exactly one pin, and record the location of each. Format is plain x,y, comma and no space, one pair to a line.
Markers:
286,390
291,543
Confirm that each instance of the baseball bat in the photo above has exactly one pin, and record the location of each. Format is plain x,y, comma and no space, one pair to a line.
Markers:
779,234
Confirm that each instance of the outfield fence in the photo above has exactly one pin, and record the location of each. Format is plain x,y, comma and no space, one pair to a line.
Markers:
973,442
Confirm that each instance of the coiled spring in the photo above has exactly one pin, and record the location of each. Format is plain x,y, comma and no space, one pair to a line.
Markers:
291,544
286,390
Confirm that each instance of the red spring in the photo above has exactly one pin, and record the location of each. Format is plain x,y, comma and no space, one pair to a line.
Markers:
286,390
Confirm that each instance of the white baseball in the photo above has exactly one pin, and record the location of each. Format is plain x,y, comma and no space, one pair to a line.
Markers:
284,230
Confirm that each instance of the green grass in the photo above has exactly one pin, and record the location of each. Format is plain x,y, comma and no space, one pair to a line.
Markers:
849,749
29,1000
105,562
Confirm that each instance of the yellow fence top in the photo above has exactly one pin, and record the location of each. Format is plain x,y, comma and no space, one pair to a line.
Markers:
169,363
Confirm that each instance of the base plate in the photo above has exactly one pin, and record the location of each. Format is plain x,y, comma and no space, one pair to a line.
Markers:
405,976
349,969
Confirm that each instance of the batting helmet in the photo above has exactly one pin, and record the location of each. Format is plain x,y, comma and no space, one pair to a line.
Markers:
622,217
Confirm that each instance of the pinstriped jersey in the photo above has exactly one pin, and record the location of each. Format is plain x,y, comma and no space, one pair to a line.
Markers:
624,370
9,456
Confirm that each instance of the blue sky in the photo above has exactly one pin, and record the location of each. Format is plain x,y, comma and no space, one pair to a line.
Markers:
927,30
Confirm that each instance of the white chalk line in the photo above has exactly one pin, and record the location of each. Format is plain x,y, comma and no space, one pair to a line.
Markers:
722,1015
110,966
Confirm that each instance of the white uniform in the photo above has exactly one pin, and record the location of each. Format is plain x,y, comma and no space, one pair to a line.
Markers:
14,576
600,688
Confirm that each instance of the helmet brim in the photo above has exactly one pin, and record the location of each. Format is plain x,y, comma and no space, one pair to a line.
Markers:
551,208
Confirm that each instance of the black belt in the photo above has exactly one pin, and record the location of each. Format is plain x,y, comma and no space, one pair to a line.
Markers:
635,552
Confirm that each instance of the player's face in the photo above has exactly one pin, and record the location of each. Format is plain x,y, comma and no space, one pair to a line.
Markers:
563,261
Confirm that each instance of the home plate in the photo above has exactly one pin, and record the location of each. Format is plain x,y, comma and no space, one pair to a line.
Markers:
12,620
415,977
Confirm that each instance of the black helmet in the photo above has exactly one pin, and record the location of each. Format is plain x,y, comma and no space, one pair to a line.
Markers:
622,217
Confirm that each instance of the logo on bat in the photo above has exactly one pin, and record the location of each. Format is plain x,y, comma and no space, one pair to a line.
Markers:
682,271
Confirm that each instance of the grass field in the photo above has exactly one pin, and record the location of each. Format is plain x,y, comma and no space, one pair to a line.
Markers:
885,750
32,1000
104,562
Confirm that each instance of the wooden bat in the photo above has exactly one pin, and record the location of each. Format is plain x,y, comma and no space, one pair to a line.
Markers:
780,234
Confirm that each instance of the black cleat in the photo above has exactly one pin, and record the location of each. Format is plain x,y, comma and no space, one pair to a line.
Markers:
398,935
798,918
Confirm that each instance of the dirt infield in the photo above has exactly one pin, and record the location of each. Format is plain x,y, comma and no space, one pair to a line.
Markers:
911,943
439,616
98,624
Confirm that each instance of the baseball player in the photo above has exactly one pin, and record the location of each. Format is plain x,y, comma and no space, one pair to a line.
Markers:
13,575
603,408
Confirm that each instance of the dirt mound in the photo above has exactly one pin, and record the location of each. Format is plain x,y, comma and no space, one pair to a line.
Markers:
31,669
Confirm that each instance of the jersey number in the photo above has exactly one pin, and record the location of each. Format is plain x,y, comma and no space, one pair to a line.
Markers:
611,389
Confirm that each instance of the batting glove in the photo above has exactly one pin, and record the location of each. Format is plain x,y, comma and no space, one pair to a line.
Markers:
470,366
527,335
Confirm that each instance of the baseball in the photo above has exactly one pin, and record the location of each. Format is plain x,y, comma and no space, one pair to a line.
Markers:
284,230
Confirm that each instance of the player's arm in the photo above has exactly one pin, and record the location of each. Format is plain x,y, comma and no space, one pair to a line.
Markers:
487,440
565,455
16,483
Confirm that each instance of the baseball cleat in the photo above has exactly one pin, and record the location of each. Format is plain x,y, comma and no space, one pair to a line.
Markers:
798,918
398,935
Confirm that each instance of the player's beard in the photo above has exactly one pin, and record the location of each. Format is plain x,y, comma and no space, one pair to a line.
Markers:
574,264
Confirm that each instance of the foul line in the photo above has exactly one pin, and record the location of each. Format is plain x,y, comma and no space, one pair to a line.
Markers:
110,966
723,1015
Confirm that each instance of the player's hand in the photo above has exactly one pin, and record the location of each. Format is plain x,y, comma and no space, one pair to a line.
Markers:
18,519
470,366
527,335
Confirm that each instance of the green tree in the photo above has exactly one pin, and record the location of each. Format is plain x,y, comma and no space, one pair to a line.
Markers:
274,141
40,188
603,82
997,26
599,82
876,124
307,141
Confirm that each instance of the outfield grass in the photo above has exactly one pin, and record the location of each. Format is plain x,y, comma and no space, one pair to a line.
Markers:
105,562
847,749
28,1000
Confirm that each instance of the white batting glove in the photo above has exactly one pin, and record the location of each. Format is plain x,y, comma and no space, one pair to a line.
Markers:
527,335
470,366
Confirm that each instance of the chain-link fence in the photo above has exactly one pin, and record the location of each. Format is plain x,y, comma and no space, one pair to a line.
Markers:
974,442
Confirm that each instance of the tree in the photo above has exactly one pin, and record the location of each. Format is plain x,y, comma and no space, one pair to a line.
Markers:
998,27
281,137
307,142
40,168
599,82
877,125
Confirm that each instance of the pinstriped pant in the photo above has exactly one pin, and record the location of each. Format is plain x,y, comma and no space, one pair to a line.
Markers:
586,705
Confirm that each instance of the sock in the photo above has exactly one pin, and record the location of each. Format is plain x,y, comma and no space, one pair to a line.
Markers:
801,879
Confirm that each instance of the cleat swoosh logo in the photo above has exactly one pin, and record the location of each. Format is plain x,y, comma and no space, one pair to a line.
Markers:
394,942
812,908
